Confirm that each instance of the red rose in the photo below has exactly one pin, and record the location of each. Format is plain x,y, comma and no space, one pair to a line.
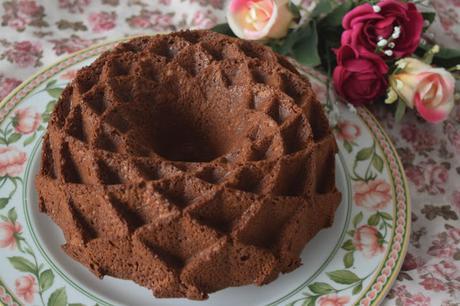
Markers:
359,77
397,23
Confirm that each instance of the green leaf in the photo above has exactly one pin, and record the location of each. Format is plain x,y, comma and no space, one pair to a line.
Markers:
50,84
400,110
46,279
351,232
334,19
305,51
45,117
76,304
29,251
347,146
4,218
310,301
348,245
58,298
4,202
357,219
22,264
429,16
14,137
2,141
54,92
385,215
364,154
377,162
40,128
323,7
344,277
457,255
447,53
446,57
12,215
348,259
357,289
374,219
50,106
223,28
29,139
294,9
321,288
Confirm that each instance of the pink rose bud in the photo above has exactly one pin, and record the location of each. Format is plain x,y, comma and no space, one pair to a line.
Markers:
429,89
262,19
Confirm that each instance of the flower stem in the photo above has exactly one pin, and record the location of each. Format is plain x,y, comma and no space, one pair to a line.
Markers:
366,174
37,272
3,181
13,179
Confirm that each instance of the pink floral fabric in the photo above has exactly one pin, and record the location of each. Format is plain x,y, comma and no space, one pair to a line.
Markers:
35,33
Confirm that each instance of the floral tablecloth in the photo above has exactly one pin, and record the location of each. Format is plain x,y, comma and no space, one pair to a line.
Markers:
34,33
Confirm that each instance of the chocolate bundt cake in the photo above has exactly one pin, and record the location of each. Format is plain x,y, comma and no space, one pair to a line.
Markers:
188,163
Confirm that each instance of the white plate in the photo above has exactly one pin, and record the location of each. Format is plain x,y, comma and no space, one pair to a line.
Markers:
354,261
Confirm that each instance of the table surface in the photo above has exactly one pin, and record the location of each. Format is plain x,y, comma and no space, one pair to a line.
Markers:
35,33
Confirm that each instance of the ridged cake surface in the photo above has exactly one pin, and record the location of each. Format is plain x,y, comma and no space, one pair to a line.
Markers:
188,163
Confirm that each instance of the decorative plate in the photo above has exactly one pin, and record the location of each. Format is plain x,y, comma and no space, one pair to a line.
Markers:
353,262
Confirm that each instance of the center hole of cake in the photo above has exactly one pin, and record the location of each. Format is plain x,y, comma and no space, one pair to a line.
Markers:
193,135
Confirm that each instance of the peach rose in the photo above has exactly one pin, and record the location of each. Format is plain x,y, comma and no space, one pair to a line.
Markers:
429,89
367,240
259,19
8,230
26,120
26,287
333,300
348,130
11,161
373,195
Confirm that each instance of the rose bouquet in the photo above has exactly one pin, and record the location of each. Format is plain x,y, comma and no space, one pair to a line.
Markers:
372,50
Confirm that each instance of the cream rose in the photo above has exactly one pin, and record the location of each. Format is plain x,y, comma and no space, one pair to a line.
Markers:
257,20
430,90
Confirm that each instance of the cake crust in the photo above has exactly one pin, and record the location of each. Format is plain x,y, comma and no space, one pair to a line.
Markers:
188,162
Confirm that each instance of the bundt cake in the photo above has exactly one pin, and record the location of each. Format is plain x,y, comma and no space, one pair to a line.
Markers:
188,163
